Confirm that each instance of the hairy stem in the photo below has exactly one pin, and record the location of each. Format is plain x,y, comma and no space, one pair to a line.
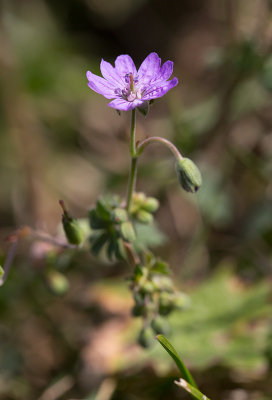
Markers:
133,163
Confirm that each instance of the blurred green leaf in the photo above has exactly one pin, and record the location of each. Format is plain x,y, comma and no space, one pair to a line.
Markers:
195,393
172,352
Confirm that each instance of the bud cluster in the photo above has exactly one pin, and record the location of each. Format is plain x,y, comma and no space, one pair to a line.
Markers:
142,207
111,227
155,297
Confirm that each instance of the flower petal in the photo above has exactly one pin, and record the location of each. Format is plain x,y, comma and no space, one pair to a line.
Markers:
149,68
124,105
155,91
125,65
110,74
166,70
100,85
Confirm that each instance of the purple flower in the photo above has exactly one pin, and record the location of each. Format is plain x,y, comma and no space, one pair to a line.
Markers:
131,88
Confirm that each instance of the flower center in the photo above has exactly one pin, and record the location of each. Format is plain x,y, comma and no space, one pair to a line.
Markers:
131,91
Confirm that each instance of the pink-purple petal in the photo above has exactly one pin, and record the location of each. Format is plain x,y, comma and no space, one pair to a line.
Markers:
124,105
149,68
100,85
110,73
125,65
155,91
166,70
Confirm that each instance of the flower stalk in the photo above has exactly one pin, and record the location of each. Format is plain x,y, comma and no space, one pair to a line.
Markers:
133,162
161,140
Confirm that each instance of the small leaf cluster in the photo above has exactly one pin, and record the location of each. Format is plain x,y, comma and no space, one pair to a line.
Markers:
111,227
155,297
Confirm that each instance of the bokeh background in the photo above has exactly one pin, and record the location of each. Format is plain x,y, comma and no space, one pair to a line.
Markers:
65,329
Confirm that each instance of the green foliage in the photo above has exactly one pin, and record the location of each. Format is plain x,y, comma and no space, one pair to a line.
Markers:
181,366
194,392
218,327
110,227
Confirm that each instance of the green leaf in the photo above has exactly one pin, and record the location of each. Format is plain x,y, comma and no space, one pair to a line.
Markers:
194,392
172,352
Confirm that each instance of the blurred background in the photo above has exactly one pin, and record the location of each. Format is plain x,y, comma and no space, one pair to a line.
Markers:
65,329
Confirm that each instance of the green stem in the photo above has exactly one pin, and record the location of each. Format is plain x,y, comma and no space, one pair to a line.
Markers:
161,140
133,163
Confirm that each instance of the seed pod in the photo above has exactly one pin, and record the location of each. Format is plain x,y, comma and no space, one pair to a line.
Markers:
146,337
127,231
151,204
189,175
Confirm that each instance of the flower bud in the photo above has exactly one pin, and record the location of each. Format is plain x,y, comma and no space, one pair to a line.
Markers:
146,337
165,303
57,282
119,215
181,301
138,310
189,175
127,231
73,231
151,204
144,216
160,325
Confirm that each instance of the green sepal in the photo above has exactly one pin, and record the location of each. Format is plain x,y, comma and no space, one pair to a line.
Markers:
111,248
127,231
1,272
189,175
144,108
98,242
95,221
103,211
120,251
